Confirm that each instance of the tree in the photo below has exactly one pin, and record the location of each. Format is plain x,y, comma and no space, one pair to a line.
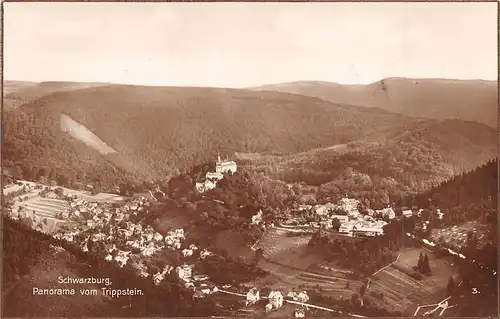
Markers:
426,269
362,290
17,172
420,262
59,191
336,224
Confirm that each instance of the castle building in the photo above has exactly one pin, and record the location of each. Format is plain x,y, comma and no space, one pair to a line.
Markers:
211,178
225,166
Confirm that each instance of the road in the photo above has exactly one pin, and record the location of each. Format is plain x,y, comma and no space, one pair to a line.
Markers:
308,305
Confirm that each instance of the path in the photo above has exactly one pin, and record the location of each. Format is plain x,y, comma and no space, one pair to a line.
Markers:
213,200
387,265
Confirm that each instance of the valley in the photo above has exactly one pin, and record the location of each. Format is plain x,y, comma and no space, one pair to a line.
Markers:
130,181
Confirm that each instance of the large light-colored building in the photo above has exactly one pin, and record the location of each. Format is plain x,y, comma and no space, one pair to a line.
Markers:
211,178
225,166
276,299
252,296
184,272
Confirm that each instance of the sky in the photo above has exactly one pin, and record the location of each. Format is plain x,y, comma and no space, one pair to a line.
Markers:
248,44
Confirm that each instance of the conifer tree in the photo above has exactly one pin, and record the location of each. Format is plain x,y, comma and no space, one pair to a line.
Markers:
420,262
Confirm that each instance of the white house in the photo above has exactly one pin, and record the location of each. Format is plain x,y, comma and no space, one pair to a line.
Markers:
257,218
184,272
349,204
252,296
205,253
346,228
302,297
299,313
407,213
276,299
187,252
158,236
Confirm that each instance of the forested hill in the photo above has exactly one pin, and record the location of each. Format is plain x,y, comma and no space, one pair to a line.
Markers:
389,170
472,100
157,132
160,130
471,188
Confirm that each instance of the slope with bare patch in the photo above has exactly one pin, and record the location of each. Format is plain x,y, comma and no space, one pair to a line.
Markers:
84,135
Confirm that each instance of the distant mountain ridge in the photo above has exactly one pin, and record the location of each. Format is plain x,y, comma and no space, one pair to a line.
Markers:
471,100
17,93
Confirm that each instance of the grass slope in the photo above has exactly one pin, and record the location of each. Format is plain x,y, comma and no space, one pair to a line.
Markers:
473,100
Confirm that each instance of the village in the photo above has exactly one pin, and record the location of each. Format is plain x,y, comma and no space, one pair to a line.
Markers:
130,242
117,225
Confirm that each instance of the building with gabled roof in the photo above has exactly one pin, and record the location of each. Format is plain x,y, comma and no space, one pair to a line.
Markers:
252,296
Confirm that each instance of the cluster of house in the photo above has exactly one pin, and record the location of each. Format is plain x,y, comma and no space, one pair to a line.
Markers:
354,223
102,213
113,225
199,284
275,300
211,178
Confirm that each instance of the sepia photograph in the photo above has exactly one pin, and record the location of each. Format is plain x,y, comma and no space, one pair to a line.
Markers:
250,159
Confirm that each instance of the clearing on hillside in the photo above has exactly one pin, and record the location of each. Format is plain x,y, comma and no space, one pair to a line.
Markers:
83,134
403,293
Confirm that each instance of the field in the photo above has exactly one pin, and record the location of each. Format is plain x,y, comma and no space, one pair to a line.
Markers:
41,209
403,293
48,208
45,207
289,261
7,189
456,236
232,242
276,241
85,195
